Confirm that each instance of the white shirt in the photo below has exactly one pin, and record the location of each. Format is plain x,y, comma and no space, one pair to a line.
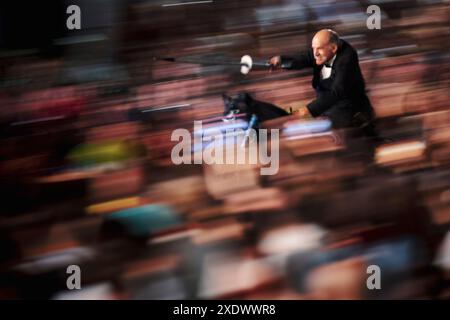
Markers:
325,73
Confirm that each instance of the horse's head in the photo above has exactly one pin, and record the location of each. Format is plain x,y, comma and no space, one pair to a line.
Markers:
239,104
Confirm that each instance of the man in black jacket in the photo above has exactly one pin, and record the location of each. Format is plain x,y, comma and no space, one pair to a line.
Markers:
337,80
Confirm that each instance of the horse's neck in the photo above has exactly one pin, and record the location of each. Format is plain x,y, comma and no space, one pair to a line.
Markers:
266,110
252,109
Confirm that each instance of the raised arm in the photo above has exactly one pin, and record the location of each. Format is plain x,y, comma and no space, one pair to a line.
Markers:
293,62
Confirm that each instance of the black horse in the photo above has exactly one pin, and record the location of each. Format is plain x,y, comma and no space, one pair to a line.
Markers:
244,103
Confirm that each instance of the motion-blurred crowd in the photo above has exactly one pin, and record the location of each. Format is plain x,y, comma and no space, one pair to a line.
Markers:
85,159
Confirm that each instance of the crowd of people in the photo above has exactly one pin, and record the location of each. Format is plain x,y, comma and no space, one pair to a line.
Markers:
87,177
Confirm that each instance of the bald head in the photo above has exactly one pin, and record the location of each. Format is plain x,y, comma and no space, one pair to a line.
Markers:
324,45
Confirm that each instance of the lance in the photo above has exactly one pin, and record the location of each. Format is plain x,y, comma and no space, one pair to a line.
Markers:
246,62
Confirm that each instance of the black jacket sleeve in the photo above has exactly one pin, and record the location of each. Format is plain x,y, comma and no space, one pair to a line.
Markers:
299,61
345,78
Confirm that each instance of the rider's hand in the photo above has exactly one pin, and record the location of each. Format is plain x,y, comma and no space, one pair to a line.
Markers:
275,62
303,112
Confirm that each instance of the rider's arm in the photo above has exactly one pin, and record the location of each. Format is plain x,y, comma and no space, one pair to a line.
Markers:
298,61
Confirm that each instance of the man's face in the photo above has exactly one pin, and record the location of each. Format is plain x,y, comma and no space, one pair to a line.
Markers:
323,50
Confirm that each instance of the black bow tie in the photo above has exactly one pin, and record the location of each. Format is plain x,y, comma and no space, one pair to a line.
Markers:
327,65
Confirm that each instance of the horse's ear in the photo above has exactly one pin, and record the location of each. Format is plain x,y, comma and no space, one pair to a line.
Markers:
245,96
225,97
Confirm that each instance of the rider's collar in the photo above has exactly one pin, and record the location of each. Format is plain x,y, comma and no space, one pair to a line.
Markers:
330,64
